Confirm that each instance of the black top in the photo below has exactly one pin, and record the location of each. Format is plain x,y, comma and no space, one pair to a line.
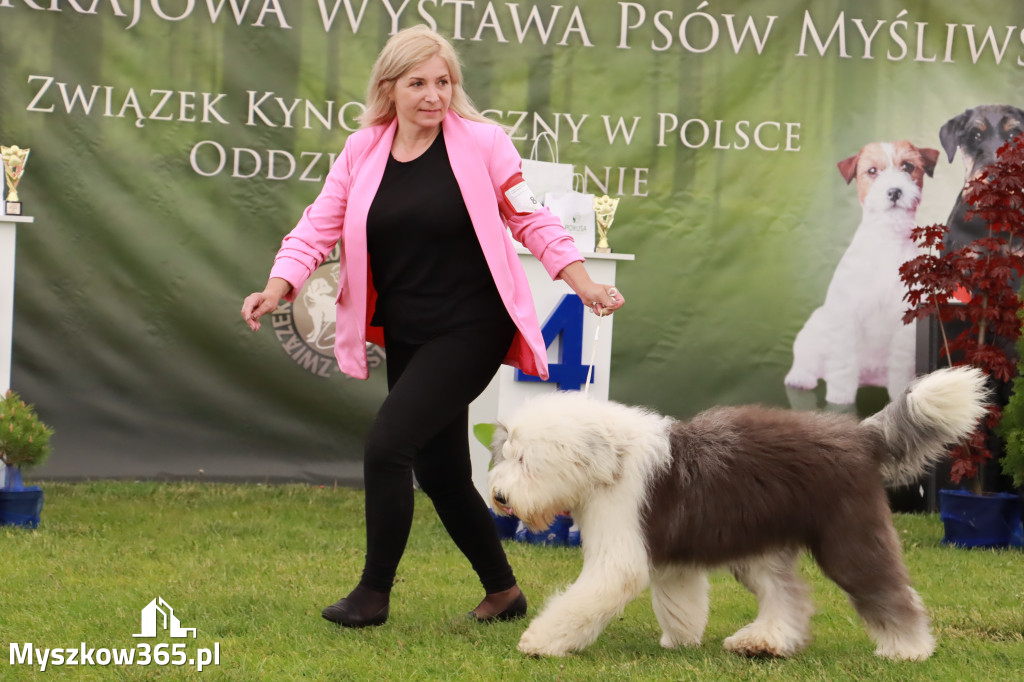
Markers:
428,268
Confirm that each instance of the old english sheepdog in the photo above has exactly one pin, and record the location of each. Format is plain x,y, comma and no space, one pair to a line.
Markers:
660,502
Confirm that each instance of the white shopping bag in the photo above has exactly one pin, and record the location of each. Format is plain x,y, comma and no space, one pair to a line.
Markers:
576,211
546,176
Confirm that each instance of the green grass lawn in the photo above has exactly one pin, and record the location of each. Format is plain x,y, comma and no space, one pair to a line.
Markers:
251,566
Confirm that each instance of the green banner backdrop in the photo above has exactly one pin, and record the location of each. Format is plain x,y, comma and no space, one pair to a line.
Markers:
174,142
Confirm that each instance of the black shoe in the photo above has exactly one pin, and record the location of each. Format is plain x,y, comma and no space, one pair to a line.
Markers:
343,613
517,609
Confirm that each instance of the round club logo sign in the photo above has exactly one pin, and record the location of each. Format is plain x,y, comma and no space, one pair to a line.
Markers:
305,327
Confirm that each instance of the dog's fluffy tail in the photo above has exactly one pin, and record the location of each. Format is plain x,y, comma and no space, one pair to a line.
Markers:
935,412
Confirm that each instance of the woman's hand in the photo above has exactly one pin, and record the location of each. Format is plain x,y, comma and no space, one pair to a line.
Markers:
603,299
259,303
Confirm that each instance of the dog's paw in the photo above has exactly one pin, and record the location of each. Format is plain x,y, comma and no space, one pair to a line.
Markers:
535,643
801,380
907,646
759,641
907,654
669,642
841,393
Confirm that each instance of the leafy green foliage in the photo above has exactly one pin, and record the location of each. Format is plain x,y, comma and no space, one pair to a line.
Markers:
24,439
484,433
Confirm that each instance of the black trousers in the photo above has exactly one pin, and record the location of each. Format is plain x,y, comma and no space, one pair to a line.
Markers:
422,428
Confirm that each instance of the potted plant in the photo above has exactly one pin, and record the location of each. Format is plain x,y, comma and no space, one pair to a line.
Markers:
24,443
973,287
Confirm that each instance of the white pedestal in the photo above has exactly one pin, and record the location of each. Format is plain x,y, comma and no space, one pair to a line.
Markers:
8,234
506,391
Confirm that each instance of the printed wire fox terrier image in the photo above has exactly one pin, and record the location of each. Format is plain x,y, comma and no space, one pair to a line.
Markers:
857,337
661,502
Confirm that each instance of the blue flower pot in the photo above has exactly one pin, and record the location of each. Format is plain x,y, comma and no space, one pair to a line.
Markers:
506,525
990,520
556,534
21,507
573,538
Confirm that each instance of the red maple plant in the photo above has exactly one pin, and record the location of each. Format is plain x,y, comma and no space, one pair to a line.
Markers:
974,284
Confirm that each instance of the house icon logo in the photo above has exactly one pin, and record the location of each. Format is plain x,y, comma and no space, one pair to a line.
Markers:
159,613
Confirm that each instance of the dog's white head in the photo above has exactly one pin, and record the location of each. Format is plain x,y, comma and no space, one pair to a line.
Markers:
889,175
556,449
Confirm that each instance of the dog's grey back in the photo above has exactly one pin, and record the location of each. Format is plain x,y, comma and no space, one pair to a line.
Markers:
750,479
745,479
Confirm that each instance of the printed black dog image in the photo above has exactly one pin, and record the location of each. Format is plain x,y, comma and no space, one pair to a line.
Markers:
978,133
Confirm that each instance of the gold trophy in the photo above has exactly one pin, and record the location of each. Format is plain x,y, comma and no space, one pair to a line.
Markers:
604,214
14,159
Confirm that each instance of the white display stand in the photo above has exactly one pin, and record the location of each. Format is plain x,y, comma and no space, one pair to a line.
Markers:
505,392
8,234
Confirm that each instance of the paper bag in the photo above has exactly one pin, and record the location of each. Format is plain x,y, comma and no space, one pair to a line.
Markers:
546,176
576,211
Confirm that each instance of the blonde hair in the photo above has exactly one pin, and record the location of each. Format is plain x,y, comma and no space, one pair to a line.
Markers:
404,50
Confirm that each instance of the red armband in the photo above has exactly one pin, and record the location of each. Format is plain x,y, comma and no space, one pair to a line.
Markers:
517,197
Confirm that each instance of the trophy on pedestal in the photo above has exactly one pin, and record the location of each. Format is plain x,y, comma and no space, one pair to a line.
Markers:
14,159
604,214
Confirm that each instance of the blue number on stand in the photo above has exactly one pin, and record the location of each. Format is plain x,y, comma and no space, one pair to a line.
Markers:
566,320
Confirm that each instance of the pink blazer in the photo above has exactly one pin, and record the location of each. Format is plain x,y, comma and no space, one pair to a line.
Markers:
483,158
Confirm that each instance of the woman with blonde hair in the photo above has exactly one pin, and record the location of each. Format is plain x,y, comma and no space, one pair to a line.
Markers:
420,200
417,45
